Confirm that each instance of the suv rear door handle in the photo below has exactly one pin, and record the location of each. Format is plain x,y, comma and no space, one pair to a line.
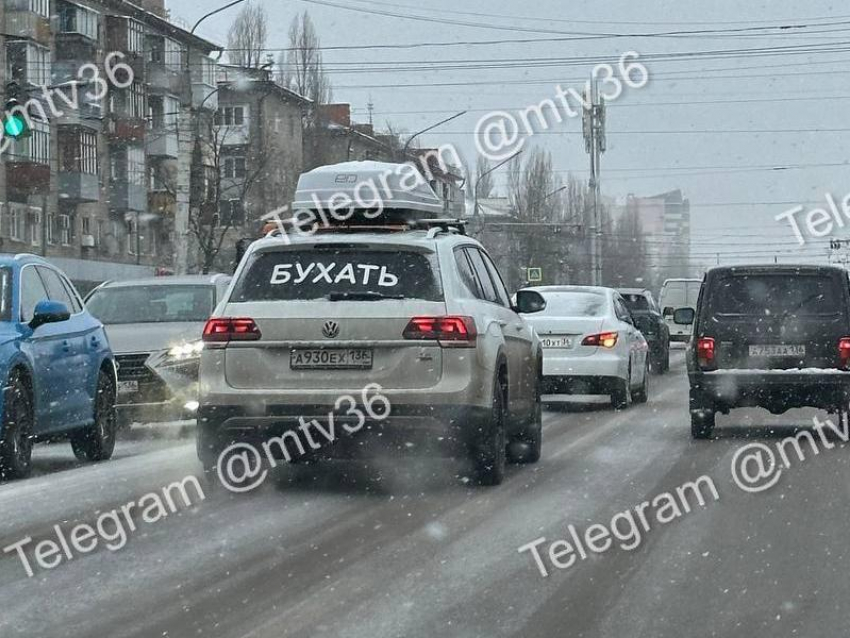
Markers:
501,323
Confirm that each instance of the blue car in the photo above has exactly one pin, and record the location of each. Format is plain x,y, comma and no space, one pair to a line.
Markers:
58,370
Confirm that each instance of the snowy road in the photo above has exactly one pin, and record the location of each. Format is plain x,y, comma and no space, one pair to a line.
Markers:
408,549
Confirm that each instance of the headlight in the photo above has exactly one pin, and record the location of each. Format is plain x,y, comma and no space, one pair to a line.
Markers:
186,350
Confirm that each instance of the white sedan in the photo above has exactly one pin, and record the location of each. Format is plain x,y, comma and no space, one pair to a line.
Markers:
591,345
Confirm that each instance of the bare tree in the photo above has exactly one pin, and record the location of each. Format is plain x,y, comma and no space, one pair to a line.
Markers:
246,40
208,227
300,67
483,178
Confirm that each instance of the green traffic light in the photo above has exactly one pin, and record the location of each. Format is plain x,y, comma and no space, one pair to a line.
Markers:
14,126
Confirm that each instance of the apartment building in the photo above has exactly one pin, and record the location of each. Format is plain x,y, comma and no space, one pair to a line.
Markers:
93,186
256,146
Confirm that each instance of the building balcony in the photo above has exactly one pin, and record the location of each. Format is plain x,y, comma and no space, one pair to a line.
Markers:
78,187
162,143
125,197
23,22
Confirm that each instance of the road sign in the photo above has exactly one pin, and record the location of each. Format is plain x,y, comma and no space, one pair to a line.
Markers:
535,275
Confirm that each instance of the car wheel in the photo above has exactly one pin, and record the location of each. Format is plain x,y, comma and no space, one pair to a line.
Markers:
642,395
532,436
621,397
18,426
97,442
702,424
490,453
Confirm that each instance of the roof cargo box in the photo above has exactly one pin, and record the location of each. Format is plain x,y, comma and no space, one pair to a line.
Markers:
378,190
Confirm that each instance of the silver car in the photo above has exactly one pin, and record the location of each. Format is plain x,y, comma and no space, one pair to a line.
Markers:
155,327
423,314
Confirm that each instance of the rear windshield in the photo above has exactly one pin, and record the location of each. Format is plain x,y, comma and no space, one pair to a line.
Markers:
636,302
575,304
765,295
339,274
152,304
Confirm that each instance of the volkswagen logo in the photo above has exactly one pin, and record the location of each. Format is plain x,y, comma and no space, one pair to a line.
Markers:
331,329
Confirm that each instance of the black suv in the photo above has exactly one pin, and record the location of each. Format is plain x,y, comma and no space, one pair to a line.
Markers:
776,337
650,322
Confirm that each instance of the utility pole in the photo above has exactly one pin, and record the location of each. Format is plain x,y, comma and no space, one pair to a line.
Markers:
593,121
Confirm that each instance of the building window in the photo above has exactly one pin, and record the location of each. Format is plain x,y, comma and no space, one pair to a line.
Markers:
51,221
132,236
85,225
163,112
165,52
16,223
27,63
34,226
207,75
78,151
65,230
233,168
128,166
231,116
76,19
36,147
129,102
135,37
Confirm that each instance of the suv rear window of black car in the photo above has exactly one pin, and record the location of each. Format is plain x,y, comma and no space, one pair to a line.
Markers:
780,294
636,302
341,274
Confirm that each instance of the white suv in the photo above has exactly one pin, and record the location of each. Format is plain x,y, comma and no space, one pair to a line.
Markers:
423,314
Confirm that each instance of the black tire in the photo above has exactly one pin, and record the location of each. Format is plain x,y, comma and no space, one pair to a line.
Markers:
97,442
490,452
702,424
642,395
18,426
621,397
532,436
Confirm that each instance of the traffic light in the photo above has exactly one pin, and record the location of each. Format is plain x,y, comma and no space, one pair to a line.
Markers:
15,121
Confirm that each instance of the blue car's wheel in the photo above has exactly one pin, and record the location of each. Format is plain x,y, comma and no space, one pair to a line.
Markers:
97,442
18,419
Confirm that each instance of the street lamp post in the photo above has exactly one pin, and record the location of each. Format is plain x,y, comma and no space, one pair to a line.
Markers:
430,128
475,212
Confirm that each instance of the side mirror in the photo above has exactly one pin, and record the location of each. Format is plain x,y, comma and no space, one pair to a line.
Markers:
684,316
668,311
47,311
528,302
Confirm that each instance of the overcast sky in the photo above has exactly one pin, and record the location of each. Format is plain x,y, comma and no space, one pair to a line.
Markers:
708,124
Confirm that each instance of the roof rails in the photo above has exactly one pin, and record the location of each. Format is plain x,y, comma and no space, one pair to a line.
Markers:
433,226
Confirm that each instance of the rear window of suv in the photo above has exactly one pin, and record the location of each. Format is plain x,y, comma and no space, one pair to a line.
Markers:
339,274
780,294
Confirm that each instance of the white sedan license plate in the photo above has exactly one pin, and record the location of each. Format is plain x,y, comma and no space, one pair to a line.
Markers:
777,351
128,387
331,359
556,342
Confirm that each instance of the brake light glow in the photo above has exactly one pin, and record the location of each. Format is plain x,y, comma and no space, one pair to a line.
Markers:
450,331
705,352
225,329
601,340
844,352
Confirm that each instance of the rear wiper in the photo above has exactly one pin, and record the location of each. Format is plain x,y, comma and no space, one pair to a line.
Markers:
361,296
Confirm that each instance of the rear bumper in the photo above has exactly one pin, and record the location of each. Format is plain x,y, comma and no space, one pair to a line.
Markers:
430,430
580,384
602,363
775,391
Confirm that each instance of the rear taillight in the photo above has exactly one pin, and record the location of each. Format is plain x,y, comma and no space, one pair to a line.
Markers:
450,332
844,352
705,352
225,329
602,340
